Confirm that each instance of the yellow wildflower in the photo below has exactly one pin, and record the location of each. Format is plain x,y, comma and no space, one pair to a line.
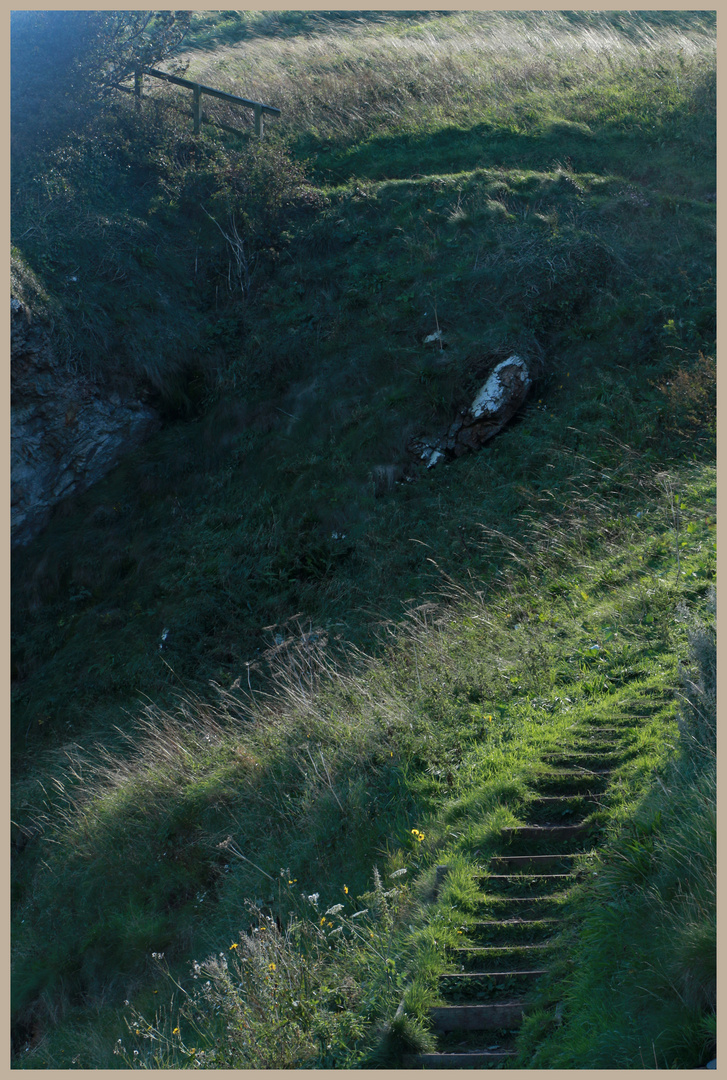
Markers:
175,1031
271,967
234,945
345,888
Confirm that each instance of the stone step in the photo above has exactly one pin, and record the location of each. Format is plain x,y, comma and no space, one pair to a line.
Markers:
506,1015
473,1059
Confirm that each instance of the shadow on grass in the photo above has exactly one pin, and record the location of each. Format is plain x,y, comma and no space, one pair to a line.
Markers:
486,146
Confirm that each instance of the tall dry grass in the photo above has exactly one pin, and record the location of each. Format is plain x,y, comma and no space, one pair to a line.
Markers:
346,81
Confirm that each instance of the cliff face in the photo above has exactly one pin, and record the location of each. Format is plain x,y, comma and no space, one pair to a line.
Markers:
66,432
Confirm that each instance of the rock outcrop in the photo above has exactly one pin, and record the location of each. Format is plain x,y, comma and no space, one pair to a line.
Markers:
494,405
66,432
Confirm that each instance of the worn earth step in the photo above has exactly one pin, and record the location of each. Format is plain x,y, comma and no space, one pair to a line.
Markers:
500,924
474,1059
477,1017
595,729
600,738
507,953
622,733
519,884
533,907
561,800
585,761
544,833
549,807
584,745
575,781
531,862
511,931
469,978
571,773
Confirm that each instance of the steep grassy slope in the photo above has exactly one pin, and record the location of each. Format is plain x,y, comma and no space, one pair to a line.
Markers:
540,184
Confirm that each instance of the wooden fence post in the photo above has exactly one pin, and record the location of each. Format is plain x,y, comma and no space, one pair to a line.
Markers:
197,90
197,107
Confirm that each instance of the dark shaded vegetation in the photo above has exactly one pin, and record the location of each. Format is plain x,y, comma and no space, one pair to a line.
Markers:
271,300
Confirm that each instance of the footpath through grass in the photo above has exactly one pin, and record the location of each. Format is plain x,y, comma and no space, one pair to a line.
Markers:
412,760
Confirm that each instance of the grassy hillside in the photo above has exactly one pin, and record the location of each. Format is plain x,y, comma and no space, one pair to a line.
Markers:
533,183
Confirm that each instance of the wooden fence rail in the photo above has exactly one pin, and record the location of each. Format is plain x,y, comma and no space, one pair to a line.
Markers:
198,90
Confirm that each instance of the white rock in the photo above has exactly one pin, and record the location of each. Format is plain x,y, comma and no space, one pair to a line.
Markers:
434,457
494,394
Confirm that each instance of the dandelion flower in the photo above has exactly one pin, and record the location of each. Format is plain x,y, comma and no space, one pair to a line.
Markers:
271,967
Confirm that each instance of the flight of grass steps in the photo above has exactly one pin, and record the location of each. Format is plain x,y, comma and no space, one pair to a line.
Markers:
507,945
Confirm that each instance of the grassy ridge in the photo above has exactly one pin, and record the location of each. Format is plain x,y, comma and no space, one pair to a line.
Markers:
540,184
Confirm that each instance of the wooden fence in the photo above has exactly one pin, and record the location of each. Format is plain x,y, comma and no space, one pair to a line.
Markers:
197,91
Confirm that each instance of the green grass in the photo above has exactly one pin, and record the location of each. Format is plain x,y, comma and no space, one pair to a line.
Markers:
334,773
390,649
